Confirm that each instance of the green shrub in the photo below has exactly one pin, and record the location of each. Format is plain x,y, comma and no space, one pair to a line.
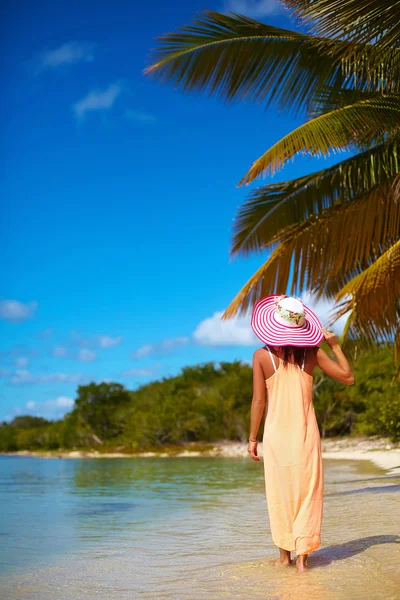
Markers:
208,403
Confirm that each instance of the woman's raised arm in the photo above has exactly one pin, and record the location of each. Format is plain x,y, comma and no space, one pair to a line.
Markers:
340,370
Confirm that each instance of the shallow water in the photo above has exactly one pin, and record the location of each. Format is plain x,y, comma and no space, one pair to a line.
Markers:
187,528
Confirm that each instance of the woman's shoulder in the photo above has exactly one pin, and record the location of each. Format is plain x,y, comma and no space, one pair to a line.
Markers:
259,352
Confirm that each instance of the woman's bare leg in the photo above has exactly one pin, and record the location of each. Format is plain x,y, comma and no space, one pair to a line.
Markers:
301,562
284,558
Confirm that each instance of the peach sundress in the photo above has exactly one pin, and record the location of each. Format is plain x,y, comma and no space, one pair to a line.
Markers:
294,480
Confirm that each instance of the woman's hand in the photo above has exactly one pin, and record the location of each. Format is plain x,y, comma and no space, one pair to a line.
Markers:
330,338
252,450
340,370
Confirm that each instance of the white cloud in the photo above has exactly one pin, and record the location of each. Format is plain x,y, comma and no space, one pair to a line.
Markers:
105,341
143,351
172,343
19,356
86,355
97,100
68,54
323,309
21,361
161,348
24,377
214,331
86,352
254,8
15,311
96,341
15,412
64,402
138,373
140,117
50,409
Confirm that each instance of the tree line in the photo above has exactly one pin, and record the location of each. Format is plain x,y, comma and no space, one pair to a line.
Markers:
207,403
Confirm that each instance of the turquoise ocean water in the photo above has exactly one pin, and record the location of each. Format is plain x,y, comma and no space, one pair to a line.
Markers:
186,528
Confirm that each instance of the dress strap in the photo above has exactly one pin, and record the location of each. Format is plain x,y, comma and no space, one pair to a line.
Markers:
304,359
272,358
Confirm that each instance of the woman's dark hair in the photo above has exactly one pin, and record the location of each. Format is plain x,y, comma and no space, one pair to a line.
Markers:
294,353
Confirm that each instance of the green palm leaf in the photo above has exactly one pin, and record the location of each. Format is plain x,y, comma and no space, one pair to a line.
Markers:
335,231
362,21
235,57
329,98
274,207
305,252
357,124
373,296
376,291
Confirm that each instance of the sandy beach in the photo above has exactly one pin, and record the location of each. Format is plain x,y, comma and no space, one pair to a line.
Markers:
383,453
380,450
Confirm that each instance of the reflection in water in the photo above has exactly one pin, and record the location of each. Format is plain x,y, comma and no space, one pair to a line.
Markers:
186,529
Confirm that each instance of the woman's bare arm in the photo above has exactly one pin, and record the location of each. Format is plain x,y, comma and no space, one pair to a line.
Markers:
257,404
340,370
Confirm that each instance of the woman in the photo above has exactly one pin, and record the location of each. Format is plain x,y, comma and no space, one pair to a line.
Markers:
293,468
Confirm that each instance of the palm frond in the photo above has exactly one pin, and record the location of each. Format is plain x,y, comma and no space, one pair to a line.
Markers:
375,293
234,57
396,187
355,340
274,207
253,290
329,98
357,124
308,254
373,299
335,232
374,22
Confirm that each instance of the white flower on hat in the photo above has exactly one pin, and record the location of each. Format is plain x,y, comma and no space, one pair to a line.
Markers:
290,311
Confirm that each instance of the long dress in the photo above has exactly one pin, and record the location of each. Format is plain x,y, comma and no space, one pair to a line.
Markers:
294,480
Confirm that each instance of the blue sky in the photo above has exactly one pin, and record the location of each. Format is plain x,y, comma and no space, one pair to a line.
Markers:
118,200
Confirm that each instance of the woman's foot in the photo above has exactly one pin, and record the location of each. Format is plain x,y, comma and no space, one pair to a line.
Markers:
301,563
284,560
278,562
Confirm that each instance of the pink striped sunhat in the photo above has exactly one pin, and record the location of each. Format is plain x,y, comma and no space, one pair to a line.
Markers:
285,321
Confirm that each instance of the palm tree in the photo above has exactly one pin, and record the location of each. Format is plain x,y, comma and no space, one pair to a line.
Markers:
334,232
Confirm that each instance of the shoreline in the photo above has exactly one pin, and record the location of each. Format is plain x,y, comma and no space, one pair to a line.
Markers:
381,451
